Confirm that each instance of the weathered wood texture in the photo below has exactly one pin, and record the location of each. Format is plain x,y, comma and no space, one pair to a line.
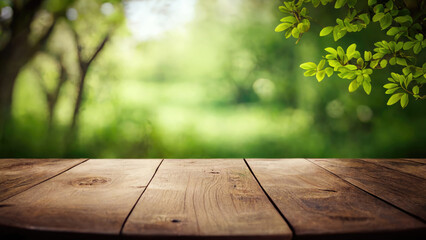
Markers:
415,168
318,204
403,190
94,198
205,198
420,160
18,175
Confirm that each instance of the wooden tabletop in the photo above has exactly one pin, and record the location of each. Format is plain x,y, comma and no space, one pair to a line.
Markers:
213,198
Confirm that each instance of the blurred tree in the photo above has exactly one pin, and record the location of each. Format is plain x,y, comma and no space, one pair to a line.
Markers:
52,96
83,67
26,30
20,40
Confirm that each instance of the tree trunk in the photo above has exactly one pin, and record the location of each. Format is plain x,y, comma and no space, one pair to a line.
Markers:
83,73
11,63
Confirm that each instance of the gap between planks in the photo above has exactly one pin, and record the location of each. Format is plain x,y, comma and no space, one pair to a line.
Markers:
270,199
373,195
131,210
46,179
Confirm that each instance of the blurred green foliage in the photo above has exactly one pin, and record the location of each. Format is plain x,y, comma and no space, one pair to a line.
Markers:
226,86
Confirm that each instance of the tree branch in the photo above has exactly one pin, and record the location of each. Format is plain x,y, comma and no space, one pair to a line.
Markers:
99,48
43,39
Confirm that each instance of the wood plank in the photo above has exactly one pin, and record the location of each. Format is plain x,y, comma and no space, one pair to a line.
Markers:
18,175
320,205
405,191
202,198
411,167
419,160
93,198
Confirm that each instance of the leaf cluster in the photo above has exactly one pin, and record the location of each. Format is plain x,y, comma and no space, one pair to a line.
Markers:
402,51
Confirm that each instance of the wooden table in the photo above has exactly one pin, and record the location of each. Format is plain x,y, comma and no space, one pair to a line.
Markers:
212,198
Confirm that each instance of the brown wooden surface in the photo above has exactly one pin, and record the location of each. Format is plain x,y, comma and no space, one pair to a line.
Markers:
205,198
18,175
213,198
403,190
319,204
94,197
415,168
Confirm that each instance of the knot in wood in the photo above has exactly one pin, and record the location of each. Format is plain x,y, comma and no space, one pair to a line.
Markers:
90,181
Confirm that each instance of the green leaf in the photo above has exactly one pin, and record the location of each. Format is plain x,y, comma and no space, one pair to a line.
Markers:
419,37
394,98
325,31
408,80
389,5
339,3
386,21
374,63
390,91
368,71
392,31
282,26
283,9
390,85
417,48
353,86
351,67
416,89
371,2
398,46
321,65
295,33
334,63
303,12
364,17
329,71
320,75
403,19
367,87
378,8
289,19
401,61
308,66
288,33
350,51
408,45
340,52
404,100
383,63
339,31
360,62
378,16
310,73
332,51
367,55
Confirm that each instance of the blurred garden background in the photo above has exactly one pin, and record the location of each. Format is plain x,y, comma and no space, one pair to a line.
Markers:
186,79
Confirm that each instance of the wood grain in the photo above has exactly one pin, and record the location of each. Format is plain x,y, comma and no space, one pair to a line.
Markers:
420,160
205,199
411,167
405,191
18,175
320,205
93,198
